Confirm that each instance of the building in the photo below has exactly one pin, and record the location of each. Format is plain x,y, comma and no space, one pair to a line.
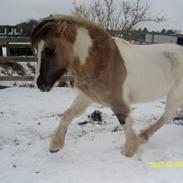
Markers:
157,38
145,37
17,46
14,42
6,30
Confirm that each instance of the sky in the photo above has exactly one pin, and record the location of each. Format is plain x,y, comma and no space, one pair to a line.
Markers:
16,11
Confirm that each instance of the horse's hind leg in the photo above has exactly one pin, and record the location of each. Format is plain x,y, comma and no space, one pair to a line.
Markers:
174,101
78,106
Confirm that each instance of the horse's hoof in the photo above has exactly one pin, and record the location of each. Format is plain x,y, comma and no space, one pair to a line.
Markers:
128,152
56,145
54,151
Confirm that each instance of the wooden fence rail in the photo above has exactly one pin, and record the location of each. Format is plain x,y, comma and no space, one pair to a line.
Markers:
16,78
6,40
15,59
18,59
31,78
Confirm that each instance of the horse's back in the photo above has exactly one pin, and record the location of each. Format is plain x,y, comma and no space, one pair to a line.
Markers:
151,70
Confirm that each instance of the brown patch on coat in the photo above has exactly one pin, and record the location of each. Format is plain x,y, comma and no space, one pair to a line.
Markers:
99,53
107,88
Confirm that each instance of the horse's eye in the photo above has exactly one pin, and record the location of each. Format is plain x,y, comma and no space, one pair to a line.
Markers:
49,51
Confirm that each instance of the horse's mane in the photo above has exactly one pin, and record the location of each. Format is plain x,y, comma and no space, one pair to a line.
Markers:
49,25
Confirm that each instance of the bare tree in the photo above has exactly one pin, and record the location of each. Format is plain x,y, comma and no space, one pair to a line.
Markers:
123,16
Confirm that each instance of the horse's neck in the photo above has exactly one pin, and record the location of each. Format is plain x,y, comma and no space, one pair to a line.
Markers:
106,86
112,69
92,52
123,42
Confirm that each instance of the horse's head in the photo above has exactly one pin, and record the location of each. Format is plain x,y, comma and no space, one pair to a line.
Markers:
54,51
69,43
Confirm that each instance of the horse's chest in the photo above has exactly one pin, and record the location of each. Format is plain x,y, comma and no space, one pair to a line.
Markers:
97,92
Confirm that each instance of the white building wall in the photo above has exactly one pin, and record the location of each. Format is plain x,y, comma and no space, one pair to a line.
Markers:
148,38
165,39
160,38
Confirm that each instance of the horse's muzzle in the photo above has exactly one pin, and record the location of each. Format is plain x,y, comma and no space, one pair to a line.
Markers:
43,86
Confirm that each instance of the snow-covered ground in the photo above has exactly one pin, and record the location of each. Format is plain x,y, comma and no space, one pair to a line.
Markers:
92,151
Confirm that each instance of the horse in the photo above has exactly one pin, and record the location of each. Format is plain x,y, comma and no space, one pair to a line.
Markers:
109,71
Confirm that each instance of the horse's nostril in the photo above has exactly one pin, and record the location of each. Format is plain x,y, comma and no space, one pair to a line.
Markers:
41,87
40,84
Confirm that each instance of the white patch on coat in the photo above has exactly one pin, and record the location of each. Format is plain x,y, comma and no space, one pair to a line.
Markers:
151,71
39,51
82,44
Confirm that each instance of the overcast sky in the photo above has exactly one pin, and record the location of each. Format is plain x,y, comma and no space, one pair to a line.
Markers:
16,11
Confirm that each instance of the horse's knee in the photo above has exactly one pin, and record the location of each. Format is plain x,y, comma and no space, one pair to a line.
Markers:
122,117
121,111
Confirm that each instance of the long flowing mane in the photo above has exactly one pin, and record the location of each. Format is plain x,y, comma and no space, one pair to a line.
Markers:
47,26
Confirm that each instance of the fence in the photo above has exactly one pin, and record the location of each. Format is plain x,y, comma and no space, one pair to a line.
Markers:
22,42
15,59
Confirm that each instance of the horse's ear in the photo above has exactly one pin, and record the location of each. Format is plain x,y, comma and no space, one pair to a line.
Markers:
62,26
42,30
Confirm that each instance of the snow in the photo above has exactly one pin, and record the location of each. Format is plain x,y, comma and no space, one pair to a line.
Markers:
92,151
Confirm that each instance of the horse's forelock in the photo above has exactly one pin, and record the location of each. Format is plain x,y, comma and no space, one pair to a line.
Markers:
41,31
53,26
47,26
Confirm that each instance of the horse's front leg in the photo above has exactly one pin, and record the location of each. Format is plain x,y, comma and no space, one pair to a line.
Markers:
78,106
132,141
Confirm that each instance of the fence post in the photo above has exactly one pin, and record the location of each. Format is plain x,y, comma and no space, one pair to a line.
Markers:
7,41
153,34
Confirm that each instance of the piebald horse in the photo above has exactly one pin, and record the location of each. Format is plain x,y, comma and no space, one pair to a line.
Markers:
108,71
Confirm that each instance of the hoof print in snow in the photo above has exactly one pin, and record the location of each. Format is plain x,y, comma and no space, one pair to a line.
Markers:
178,120
178,117
116,129
16,141
96,116
83,123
